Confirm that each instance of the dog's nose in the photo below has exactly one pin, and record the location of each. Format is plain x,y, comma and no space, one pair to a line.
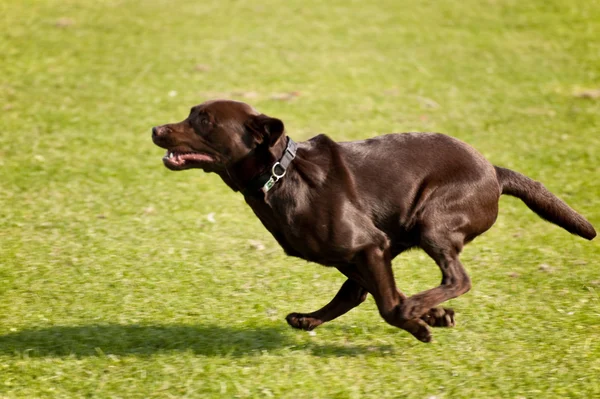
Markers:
154,131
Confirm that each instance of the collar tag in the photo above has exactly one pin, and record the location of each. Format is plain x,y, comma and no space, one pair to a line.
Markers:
279,168
268,185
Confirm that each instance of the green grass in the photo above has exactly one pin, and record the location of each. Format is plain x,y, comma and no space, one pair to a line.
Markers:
115,283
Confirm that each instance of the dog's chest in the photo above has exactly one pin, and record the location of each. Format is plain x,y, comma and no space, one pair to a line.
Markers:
327,236
311,247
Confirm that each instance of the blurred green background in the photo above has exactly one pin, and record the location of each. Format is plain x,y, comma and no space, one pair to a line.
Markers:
121,279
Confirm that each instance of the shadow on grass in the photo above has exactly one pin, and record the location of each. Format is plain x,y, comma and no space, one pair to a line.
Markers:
146,340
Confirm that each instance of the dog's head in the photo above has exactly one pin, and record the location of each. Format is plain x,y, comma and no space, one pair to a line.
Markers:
215,135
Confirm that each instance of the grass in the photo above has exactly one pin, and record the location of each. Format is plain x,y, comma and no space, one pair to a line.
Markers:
121,279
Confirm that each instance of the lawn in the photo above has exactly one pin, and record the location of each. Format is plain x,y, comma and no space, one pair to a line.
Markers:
121,279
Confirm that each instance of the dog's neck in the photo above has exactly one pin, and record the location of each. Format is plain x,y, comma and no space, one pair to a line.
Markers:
243,174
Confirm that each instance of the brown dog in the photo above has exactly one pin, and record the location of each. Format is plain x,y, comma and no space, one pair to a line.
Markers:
357,205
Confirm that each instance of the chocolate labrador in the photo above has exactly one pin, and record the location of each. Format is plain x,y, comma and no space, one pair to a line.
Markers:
356,205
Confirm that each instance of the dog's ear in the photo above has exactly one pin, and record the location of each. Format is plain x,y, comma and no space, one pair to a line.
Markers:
265,129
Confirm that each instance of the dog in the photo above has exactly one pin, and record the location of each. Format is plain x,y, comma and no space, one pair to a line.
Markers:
357,205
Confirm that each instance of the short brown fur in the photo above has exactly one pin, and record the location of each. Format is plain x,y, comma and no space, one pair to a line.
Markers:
357,205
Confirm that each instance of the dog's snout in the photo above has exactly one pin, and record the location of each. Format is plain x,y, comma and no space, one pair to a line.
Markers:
161,136
160,131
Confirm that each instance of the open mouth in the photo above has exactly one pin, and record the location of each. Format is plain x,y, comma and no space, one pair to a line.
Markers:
176,160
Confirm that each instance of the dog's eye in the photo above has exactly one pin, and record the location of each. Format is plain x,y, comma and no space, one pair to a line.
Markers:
204,121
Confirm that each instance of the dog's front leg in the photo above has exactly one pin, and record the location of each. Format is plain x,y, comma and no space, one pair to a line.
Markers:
348,297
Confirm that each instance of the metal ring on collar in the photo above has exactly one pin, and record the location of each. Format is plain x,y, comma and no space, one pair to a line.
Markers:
274,171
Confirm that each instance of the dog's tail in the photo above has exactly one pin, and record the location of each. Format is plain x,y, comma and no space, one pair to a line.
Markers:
543,202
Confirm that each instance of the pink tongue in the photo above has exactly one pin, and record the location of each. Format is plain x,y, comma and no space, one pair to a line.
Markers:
195,157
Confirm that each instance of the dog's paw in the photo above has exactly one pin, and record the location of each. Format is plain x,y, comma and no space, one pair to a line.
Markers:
419,329
439,317
302,321
424,336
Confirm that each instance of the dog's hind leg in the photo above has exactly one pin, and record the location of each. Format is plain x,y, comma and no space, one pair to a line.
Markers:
348,297
373,270
450,223
444,249
372,274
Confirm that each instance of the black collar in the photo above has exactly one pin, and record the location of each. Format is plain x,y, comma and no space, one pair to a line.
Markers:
265,181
